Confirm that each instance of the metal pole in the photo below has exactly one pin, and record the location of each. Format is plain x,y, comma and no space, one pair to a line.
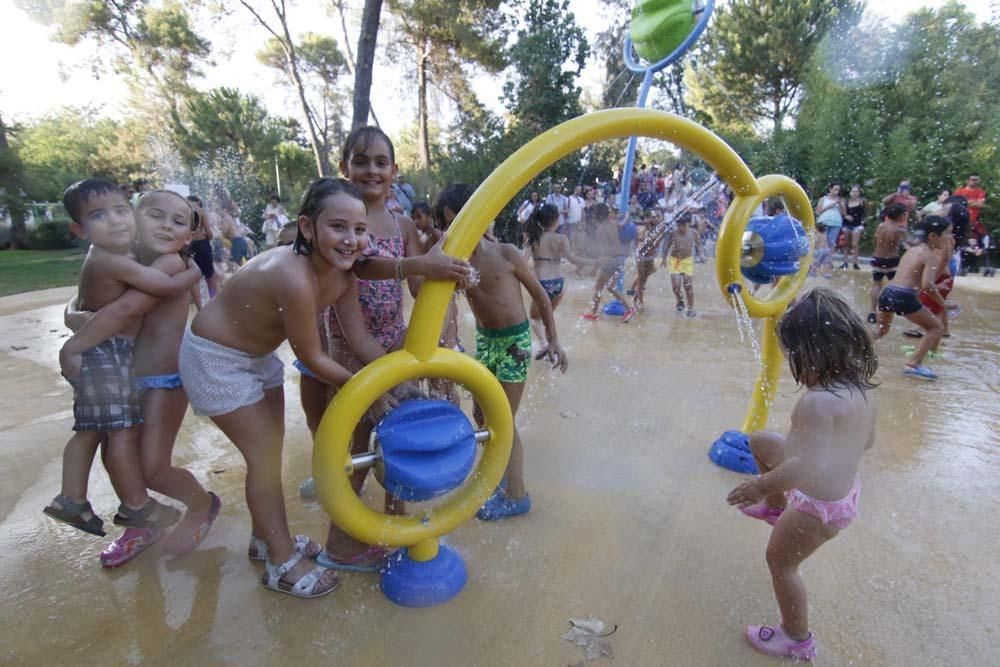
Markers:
277,177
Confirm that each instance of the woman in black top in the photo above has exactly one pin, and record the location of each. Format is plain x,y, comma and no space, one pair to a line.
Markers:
854,225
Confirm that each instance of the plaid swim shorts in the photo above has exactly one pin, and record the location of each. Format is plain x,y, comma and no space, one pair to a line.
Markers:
105,397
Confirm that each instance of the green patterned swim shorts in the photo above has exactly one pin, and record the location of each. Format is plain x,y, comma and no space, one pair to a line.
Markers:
505,352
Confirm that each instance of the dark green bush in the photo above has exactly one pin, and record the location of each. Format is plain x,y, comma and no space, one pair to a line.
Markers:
53,235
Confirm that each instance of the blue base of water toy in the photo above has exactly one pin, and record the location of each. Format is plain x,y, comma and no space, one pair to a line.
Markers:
732,452
615,307
411,583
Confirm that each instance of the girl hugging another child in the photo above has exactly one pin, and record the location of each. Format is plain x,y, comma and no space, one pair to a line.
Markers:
809,484
232,375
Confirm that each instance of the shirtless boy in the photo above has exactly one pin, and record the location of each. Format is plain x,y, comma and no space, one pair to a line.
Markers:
165,223
612,265
645,253
679,252
105,400
918,271
503,338
890,234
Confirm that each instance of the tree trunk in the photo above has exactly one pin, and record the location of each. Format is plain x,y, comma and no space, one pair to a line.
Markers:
423,140
366,62
320,152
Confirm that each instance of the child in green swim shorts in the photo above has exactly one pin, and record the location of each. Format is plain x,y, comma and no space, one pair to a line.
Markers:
503,338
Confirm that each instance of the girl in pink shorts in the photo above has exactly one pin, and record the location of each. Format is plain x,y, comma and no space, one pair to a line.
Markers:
809,485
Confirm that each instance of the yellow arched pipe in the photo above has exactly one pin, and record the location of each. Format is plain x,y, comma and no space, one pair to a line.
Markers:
422,357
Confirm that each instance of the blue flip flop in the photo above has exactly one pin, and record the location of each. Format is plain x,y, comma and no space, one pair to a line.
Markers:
921,372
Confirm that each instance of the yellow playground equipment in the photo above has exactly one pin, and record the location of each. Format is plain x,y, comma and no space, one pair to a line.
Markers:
426,572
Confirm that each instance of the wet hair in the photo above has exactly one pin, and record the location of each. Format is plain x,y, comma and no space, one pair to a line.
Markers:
314,201
827,343
290,226
363,136
684,218
894,211
541,218
144,201
933,224
601,212
453,197
423,208
78,194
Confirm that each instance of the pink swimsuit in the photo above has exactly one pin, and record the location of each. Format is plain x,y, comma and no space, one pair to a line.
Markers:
381,300
837,513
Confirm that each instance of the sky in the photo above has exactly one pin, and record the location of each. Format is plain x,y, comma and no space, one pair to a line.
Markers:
52,75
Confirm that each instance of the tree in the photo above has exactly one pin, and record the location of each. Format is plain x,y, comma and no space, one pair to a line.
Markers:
224,118
548,57
293,66
320,67
151,45
442,36
67,145
751,62
366,62
11,190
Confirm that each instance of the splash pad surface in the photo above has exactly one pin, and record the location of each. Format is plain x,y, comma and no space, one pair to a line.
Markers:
629,524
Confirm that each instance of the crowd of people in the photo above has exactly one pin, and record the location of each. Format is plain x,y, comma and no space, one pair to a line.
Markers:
330,281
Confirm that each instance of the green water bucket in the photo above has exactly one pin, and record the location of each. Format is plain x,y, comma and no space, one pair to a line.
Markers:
659,26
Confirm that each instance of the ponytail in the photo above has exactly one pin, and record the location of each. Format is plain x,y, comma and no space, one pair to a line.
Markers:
540,219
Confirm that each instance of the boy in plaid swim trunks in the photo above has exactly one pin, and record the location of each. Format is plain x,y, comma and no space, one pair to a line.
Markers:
105,400
165,223
503,338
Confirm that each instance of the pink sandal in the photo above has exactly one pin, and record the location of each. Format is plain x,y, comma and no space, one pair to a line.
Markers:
764,512
774,641
130,544
184,541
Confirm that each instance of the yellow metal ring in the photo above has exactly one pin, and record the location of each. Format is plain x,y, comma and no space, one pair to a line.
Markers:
333,440
421,356
730,244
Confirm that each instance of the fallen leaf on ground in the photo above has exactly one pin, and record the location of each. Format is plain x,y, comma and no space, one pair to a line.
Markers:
590,633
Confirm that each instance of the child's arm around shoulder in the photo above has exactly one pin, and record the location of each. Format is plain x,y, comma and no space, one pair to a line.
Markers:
149,279
352,323
296,292
812,425
435,265
95,328
554,351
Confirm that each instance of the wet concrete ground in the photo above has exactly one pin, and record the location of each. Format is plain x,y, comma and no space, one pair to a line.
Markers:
629,522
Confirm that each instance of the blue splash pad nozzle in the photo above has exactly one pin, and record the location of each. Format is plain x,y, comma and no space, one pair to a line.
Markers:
772,247
428,448
412,583
732,452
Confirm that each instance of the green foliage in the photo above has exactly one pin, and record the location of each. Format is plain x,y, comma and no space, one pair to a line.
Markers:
54,235
752,61
224,118
917,100
319,66
71,144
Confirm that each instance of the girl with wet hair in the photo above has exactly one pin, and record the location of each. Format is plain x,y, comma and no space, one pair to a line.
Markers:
547,249
809,484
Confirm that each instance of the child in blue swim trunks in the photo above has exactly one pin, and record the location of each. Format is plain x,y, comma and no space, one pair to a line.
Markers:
918,271
503,338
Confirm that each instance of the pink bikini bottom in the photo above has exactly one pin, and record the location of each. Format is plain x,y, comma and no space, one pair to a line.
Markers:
837,513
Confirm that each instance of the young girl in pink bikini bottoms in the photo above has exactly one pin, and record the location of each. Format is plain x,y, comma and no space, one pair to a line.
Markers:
809,486
368,161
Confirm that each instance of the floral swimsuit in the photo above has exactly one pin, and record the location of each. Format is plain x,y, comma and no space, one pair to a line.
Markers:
381,300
